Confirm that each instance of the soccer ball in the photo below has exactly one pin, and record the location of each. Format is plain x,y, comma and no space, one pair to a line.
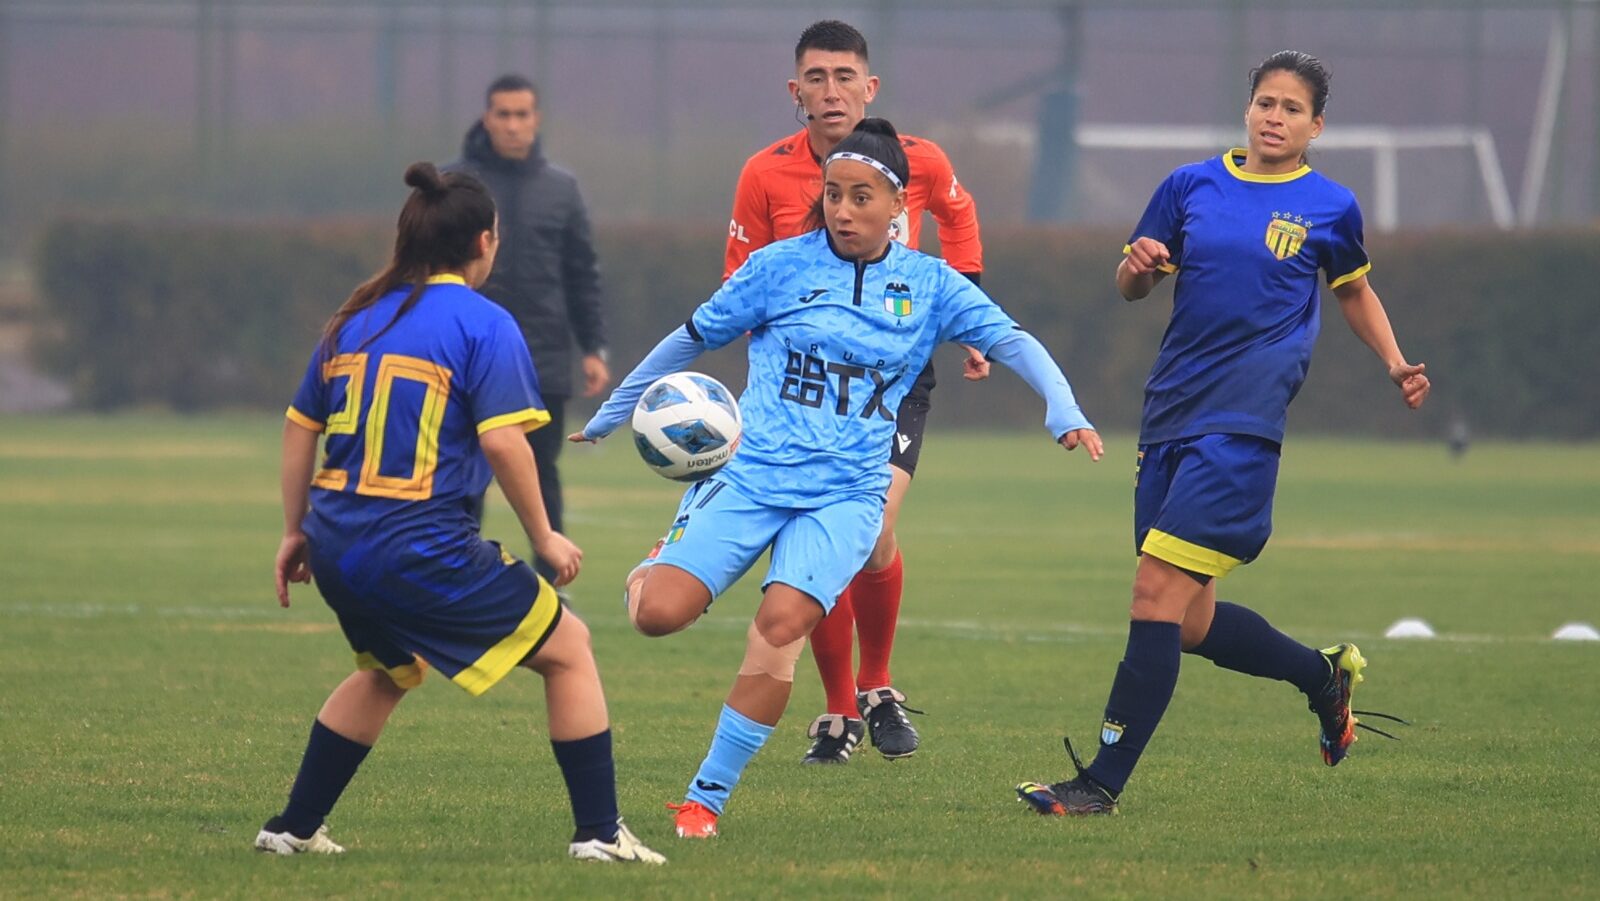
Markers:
686,426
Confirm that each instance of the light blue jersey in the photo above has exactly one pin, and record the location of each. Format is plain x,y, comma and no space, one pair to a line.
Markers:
835,344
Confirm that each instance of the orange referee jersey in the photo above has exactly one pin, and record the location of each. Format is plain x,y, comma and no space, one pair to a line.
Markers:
778,186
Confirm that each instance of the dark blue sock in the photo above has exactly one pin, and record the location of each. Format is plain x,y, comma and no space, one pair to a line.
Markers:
1241,640
591,776
1139,695
331,761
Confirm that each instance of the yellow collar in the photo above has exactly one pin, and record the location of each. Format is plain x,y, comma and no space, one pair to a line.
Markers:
1240,174
446,278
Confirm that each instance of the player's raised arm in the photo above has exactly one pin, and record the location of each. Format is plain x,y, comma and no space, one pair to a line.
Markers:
677,350
1154,248
970,317
1346,262
1364,311
511,459
737,307
1024,355
1147,262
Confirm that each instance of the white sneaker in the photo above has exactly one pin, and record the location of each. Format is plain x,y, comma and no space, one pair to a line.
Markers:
286,843
626,848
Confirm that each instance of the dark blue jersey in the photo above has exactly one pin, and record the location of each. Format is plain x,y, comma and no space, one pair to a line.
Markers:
402,414
1245,312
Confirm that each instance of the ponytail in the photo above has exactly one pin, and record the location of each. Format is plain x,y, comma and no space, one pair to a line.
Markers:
438,229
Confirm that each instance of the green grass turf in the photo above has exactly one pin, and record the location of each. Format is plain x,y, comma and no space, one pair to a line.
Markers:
154,699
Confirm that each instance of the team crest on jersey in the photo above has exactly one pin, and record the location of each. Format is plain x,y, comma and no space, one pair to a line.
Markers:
897,299
676,532
1286,234
1111,733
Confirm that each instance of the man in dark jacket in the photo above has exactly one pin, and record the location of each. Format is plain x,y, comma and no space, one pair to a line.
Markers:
545,273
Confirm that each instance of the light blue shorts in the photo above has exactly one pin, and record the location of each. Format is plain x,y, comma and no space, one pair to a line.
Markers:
718,534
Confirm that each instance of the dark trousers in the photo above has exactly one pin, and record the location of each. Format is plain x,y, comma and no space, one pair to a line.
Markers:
546,442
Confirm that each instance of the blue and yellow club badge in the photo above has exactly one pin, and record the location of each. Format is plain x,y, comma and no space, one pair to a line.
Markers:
1285,236
897,299
676,532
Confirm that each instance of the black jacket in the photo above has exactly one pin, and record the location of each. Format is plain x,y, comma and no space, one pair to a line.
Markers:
545,273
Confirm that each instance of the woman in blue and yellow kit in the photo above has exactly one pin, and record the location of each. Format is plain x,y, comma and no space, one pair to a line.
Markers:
424,390
1246,234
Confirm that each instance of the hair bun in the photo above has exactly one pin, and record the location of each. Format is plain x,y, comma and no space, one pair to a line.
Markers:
425,177
876,125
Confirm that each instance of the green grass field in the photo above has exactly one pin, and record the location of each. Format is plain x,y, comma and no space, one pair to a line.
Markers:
155,699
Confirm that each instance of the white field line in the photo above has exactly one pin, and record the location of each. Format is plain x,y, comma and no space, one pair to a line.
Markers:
729,621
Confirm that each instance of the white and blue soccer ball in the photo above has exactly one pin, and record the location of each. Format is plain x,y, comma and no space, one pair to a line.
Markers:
686,426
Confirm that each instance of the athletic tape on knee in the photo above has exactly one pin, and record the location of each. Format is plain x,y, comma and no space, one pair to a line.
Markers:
763,658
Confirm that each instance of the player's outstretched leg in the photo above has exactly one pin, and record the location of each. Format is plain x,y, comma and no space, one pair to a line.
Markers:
1241,640
876,592
1162,595
1078,796
1331,703
580,737
345,730
633,583
833,739
1139,696
884,710
836,733
663,599
753,708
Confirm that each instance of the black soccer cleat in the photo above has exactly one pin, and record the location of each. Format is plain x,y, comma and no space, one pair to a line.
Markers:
885,709
1078,796
835,738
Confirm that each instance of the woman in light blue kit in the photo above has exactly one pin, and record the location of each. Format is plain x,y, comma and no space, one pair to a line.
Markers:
841,320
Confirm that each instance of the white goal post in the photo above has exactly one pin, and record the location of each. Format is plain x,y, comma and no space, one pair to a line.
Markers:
1385,143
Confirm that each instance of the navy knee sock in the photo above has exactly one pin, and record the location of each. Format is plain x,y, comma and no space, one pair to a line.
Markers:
330,763
591,776
1241,640
1139,696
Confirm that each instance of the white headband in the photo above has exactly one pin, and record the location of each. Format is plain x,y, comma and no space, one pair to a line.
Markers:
863,158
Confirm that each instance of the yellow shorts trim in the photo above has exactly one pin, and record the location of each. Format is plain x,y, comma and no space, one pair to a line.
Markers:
407,676
509,651
302,420
529,419
1187,554
1343,279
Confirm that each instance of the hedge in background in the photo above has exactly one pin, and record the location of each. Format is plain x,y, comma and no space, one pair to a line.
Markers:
191,315
1509,325
199,315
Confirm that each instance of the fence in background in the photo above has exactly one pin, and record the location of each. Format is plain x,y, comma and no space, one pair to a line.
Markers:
249,108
